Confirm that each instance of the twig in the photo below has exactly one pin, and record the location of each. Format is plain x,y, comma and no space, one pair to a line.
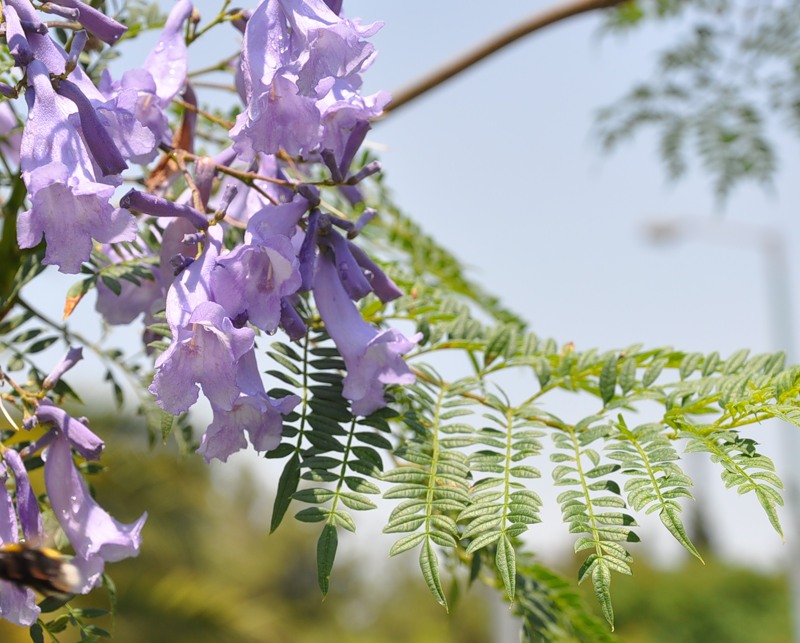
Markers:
496,43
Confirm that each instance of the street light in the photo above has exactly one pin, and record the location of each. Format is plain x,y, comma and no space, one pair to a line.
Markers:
772,245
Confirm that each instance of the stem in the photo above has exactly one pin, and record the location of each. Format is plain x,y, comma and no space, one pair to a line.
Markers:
481,399
193,108
222,65
494,44
221,17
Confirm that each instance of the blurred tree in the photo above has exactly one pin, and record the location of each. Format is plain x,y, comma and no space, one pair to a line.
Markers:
720,602
210,573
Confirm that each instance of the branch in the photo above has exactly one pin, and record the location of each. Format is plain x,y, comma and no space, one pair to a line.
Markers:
463,62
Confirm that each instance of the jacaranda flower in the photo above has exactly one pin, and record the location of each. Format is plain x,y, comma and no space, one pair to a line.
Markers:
300,70
373,358
204,351
94,535
250,281
17,604
253,412
70,206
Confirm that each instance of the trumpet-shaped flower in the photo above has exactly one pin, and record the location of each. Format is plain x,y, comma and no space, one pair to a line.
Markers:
17,604
253,412
168,62
70,207
250,281
95,536
205,351
300,65
30,517
373,358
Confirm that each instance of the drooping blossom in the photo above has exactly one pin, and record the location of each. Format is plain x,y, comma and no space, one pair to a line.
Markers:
205,345
373,358
203,352
73,356
253,412
30,518
250,281
142,94
70,206
168,63
301,66
79,435
96,537
96,22
17,604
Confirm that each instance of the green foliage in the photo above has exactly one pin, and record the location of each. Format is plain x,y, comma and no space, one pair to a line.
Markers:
552,610
717,93
461,459
465,458
327,447
718,603
656,482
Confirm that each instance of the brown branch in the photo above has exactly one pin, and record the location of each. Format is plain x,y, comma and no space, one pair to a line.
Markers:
496,43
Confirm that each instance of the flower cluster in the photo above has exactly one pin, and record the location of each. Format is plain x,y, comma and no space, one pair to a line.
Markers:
302,118
95,536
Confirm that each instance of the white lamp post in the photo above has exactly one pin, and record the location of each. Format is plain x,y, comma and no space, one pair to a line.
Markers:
772,246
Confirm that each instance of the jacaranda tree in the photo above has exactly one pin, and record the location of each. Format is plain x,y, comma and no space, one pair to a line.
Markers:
274,276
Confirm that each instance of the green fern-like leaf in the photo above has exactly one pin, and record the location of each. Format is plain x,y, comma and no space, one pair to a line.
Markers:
743,468
501,506
586,512
656,482
552,610
434,484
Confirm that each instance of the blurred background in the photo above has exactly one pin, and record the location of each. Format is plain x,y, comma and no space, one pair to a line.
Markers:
501,165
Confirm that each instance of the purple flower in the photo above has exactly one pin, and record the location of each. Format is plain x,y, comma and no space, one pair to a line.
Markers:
345,116
373,358
254,412
193,287
97,138
300,67
136,102
382,286
96,22
280,219
205,170
350,273
250,281
167,62
291,321
204,351
69,206
17,41
137,86
259,415
130,126
73,356
173,242
17,604
96,537
79,435
277,120
27,505
157,206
